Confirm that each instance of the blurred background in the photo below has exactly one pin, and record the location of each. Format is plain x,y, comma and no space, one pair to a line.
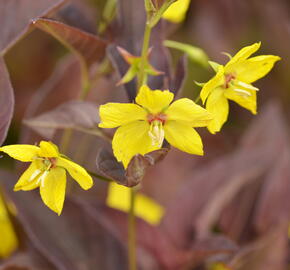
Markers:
227,210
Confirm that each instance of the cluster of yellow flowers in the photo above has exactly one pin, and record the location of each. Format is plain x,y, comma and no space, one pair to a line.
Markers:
143,126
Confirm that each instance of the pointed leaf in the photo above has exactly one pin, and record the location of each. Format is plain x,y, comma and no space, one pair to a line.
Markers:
6,101
73,114
89,47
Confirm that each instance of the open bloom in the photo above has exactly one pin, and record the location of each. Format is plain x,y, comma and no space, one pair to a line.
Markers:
47,171
234,81
143,126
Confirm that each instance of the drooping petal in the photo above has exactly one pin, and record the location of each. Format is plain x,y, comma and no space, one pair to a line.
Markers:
255,68
22,152
241,56
249,101
77,172
116,114
145,207
218,106
52,189
154,100
187,111
183,137
132,139
29,179
48,149
212,84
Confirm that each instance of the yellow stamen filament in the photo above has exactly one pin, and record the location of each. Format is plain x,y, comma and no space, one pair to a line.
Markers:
243,92
34,175
42,178
247,86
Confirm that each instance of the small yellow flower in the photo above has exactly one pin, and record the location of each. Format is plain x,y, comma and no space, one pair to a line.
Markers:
145,208
47,171
177,11
234,81
143,126
8,238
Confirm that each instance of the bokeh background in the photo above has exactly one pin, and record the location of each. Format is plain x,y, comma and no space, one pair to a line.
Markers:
227,210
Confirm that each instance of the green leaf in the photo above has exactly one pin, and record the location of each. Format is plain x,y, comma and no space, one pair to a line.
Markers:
195,54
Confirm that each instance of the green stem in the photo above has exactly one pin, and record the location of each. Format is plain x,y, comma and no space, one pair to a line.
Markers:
146,40
132,232
197,99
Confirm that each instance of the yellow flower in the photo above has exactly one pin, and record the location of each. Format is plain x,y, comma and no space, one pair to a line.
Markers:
145,208
177,11
8,238
234,81
143,126
47,171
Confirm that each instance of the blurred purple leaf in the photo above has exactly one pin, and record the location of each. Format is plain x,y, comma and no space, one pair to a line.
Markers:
212,187
16,16
6,101
180,75
73,114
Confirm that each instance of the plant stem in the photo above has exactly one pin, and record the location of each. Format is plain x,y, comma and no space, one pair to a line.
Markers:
132,232
146,40
197,99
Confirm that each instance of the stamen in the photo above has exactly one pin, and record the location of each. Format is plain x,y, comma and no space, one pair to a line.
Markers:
156,133
42,178
34,175
247,86
242,92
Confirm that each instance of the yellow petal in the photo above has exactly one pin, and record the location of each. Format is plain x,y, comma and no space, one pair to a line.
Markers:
241,56
132,139
218,106
183,137
255,67
249,102
116,114
177,11
48,149
77,172
8,238
187,111
22,152
212,84
28,179
154,100
52,189
145,208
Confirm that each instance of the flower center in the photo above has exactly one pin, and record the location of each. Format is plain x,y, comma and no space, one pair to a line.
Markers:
156,131
228,79
241,88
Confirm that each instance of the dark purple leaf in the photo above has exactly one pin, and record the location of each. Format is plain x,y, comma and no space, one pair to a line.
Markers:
132,176
73,114
89,47
6,101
